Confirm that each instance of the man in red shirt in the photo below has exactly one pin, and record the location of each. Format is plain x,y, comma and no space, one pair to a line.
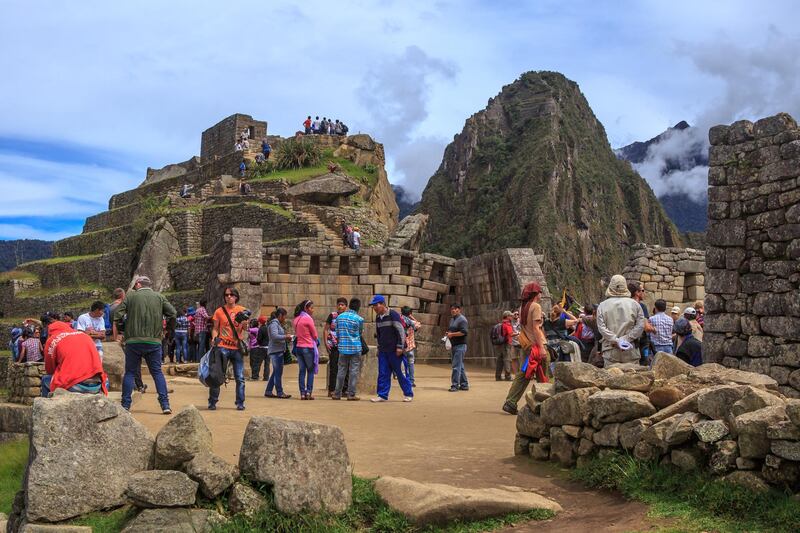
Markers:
307,125
71,360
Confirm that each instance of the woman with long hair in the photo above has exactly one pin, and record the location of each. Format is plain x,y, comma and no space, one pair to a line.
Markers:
306,347
277,346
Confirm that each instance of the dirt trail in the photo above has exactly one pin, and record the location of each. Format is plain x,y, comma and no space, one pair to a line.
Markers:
458,438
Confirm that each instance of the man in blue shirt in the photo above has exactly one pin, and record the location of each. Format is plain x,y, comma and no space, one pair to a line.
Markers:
349,327
391,335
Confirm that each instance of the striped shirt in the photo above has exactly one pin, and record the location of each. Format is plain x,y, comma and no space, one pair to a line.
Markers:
348,328
391,332
182,324
663,333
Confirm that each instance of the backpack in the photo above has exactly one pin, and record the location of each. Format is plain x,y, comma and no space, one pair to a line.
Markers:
217,366
497,335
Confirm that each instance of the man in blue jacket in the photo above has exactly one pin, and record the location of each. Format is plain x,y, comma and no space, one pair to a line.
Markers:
391,346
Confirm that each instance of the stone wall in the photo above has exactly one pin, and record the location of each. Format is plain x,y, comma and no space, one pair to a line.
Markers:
675,274
96,242
236,260
111,270
25,382
274,224
187,271
5,362
373,233
220,139
115,217
487,285
753,254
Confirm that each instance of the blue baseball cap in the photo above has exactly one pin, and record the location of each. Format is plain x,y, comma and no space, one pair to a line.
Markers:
377,299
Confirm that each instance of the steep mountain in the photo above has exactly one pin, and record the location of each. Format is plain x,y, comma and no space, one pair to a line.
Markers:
404,201
675,163
12,253
535,169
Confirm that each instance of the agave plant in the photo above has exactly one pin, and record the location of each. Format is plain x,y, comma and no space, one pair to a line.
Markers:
297,153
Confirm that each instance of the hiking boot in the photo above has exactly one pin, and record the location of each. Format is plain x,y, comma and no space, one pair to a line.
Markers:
464,388
510,408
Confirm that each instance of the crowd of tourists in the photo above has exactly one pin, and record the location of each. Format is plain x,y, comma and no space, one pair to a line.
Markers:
528,342
326,126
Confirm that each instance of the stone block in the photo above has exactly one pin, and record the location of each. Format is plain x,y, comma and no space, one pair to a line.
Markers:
726,232
398,279
423,294
722,323
695,292
399,301
442,288
387,289
722,282
371,279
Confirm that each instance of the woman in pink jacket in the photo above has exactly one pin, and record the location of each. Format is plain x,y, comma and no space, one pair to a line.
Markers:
306,348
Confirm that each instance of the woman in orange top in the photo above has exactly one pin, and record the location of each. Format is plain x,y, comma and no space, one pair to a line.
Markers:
225,338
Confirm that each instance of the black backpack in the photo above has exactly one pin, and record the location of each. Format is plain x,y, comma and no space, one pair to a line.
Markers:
217,368
497,334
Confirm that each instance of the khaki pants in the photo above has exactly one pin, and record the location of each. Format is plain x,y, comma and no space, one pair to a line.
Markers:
615,356
504,355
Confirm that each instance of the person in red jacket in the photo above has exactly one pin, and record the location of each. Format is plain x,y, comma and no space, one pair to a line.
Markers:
71,360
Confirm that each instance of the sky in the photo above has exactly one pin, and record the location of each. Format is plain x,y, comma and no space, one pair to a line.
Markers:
93,93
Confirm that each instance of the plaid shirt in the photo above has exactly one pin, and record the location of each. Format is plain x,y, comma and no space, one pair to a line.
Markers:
348,328
200,320
663,325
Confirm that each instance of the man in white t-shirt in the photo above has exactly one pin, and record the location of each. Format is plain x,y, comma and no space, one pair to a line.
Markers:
93,324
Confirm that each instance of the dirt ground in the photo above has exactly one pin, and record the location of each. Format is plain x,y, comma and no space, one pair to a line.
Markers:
457,438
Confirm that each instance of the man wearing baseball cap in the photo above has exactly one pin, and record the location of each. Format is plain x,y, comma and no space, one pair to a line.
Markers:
690,314
391,346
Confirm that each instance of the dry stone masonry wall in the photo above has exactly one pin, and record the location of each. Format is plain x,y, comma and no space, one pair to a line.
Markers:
753,255
675,274
24,382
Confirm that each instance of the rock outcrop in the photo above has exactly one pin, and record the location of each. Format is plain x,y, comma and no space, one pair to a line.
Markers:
183,437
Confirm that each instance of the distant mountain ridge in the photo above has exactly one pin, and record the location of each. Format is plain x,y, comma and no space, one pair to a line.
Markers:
675,164
534,169
13,253
404,201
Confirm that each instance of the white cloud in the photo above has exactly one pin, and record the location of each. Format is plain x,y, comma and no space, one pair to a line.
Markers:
24,231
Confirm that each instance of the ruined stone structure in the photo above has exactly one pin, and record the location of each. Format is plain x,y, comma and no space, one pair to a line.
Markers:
675,274
753,255
24,382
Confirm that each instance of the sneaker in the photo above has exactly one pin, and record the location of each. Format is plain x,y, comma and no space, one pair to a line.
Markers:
453,389
240,407
269,395
464,388
407,398
166,411
336,397
353,398
510,408
143,388
212,407
378,399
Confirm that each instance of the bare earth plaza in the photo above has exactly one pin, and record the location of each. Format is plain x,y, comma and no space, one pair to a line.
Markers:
550,335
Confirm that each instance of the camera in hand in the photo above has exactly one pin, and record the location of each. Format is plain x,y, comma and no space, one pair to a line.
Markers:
243,316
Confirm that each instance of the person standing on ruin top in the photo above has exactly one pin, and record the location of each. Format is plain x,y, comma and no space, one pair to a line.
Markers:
307,125
356,237
620,321
145,310
532,343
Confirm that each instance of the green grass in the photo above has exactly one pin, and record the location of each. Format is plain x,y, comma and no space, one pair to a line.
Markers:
16,274
273,207
43,291
692,501
59,260
110,522
12,467
302,174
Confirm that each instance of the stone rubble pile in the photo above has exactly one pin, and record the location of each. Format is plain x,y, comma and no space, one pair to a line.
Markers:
731,422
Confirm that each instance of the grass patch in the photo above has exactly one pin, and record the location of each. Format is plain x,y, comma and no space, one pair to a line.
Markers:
12,467
367,174
695,500
110,522
52,291
16,274
59,260
273,207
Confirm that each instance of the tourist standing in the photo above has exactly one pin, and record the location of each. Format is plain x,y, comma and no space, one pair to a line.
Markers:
642,343
457,333
356,237
276,348
620,321
699,307
181,336
228,333
307,125
332,344
690,314
93,324
350,328
411,325
145,309
688,348
201,328
266,149
259,349
391,345
13,344
532,343
501,340
661,337
306,348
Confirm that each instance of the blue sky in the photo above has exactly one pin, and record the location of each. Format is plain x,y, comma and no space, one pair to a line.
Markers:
95,92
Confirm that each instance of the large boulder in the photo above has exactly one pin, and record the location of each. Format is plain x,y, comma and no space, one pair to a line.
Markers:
161,248
793,411
619,406
723,457
529,424
426,504
245,500
86,442
183,437
325,189
715,372
748,480
114,365
715,403
579,375
213,473
175,520
161,488
631,432
306,463
608,435
562,447
686,405
752,430
673,431
753,400
665,396
635,381
787,449
668,366
710,430
569,407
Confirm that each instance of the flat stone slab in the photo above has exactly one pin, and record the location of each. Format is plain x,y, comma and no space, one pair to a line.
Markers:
435,503
174,521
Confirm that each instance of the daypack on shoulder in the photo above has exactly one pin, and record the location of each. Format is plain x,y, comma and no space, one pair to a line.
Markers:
497,334
217,368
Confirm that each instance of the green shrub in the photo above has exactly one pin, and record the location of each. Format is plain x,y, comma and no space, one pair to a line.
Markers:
297,153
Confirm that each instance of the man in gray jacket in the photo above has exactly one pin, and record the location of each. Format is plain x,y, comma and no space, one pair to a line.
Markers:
620,321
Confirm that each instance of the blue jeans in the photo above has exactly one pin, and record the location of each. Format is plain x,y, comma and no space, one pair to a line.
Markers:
235,357
305,360
458,379
388,362
202,344
663,348
348,369
181,347
275,379
151,353
85,388
408,365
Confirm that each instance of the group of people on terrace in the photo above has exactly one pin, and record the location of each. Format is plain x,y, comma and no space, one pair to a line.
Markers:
326,126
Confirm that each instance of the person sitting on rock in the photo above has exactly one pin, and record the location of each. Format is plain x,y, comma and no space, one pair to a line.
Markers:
689,349
71,361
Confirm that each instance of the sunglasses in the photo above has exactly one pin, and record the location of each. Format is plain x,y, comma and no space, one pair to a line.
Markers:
229,294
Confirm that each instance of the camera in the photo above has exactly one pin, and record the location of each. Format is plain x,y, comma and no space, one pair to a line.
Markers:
243,316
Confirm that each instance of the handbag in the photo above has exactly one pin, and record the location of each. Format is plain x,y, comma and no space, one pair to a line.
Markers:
524,342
